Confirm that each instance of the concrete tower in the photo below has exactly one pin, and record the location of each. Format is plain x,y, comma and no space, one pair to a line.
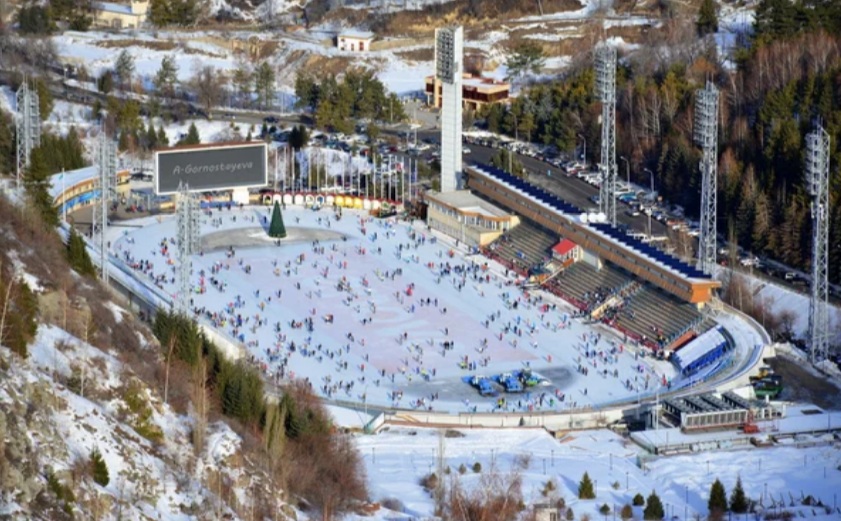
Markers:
449,52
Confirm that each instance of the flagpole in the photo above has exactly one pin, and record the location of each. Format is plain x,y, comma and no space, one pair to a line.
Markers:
63,196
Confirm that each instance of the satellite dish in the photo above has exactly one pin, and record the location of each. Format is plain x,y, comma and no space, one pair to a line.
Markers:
602,217
593,217
583,218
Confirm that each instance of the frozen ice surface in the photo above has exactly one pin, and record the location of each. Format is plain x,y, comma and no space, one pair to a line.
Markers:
382,298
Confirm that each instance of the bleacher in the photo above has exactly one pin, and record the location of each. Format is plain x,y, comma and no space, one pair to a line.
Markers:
654,315
644,312
585,286
525,246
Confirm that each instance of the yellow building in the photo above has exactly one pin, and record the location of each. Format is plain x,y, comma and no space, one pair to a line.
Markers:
461,215
120,16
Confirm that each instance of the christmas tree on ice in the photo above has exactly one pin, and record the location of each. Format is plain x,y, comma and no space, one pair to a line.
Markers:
276,228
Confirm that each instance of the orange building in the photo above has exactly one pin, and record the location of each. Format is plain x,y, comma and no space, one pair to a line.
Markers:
476,91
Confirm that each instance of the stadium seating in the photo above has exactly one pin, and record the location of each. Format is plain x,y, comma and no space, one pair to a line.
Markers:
526,245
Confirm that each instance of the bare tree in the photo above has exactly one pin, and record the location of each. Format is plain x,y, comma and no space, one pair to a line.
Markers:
209,85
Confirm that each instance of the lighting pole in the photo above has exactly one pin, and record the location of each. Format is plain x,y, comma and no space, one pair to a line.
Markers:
686,502
627,170
585,147
650,210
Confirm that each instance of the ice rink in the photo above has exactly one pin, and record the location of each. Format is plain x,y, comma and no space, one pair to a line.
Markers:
387,312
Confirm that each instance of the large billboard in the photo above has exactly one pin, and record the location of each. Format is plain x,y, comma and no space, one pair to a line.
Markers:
207,168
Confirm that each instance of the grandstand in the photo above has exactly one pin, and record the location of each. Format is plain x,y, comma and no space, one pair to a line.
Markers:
599,239
648,295
524,246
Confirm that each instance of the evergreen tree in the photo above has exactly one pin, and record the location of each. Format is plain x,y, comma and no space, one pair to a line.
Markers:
105,83
35,19
7,142
99,469
506,160
162,139
585,488
717,504
639,500
151,138
738,500
45,99
653,507
78,256
37,185
192,137
276,229
166,77
707,18
124,68
123,141
20,323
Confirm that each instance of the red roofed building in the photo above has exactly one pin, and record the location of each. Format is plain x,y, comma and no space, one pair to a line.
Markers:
566,252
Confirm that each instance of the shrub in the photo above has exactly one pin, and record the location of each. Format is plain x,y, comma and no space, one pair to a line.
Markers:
99,469
477,467
604,509
570,515
430,481
616,485
585,488
462,469
627,512
548,487
638,500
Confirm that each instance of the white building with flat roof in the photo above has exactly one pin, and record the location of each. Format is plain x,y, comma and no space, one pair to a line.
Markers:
354,41
449,69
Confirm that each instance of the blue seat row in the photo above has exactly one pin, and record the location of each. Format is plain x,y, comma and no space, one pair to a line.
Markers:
529,189
650,251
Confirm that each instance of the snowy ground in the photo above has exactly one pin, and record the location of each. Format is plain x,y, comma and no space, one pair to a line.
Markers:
397,459
395,295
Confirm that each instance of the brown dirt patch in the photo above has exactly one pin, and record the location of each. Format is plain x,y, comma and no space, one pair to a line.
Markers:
157,45
802,385
417,55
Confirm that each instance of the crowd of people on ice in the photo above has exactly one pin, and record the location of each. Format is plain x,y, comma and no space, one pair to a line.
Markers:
313,286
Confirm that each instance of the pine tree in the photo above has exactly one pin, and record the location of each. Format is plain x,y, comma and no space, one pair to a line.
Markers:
276,229
653,508
99,469
707,18
37,186
717,503
585,488
738,500
192,137
162,139
78,256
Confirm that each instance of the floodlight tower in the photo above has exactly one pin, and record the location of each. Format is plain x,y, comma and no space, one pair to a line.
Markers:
449,50
107,159
817,181
706,136
187,217
28,126
606,90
